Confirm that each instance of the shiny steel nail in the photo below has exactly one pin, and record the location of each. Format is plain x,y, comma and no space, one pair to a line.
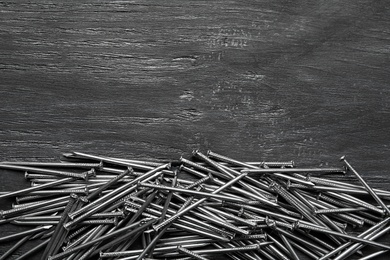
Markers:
278,244
203,157
55,164
353,248
45,199
38,206
373,255
64,232
298,224
355,201
113,196
83,175
33,250
268,222
292,179
190,192
114,161
292,201
338,210
98,232
168,200
224,224
289,247
200,181
34,212
197,203
79,239
83,191
347,190
23,234
136,252
108,184
327,221
304,250
274,251
313,248
59,229
143,207
10,251
319,240
263,211
229,160
199,167
231,216
347,218
131,229
260,199
294,170
195,240
333,183
36,188
190,222
153,163
190,253
364,183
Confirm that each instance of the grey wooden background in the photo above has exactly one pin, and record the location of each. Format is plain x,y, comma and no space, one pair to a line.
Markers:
255,80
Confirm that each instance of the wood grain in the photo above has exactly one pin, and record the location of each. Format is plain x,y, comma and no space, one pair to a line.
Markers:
256,80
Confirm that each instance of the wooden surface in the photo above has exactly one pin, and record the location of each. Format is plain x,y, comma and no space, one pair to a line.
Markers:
255,80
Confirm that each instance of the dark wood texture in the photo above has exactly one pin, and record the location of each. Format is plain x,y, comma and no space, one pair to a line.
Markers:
255,80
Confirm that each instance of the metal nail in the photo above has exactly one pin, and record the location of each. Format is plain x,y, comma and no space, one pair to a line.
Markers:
300,207
229,160
298,224
83,175
199,167
136,252
308,245
293,170
278,244
115,161
373,255
353,248
190,253
108,184
113,196
231,216
30,208
197,203
289,247
55,164
304,250
18,244
188,221
168,200
23,234
355,201
338,210
224,224
131,229
36,188
203,157
59,229
261,199
33,250
200,181
339,184
190,192
368,188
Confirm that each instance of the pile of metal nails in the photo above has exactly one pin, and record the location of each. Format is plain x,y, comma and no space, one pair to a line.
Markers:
209,207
